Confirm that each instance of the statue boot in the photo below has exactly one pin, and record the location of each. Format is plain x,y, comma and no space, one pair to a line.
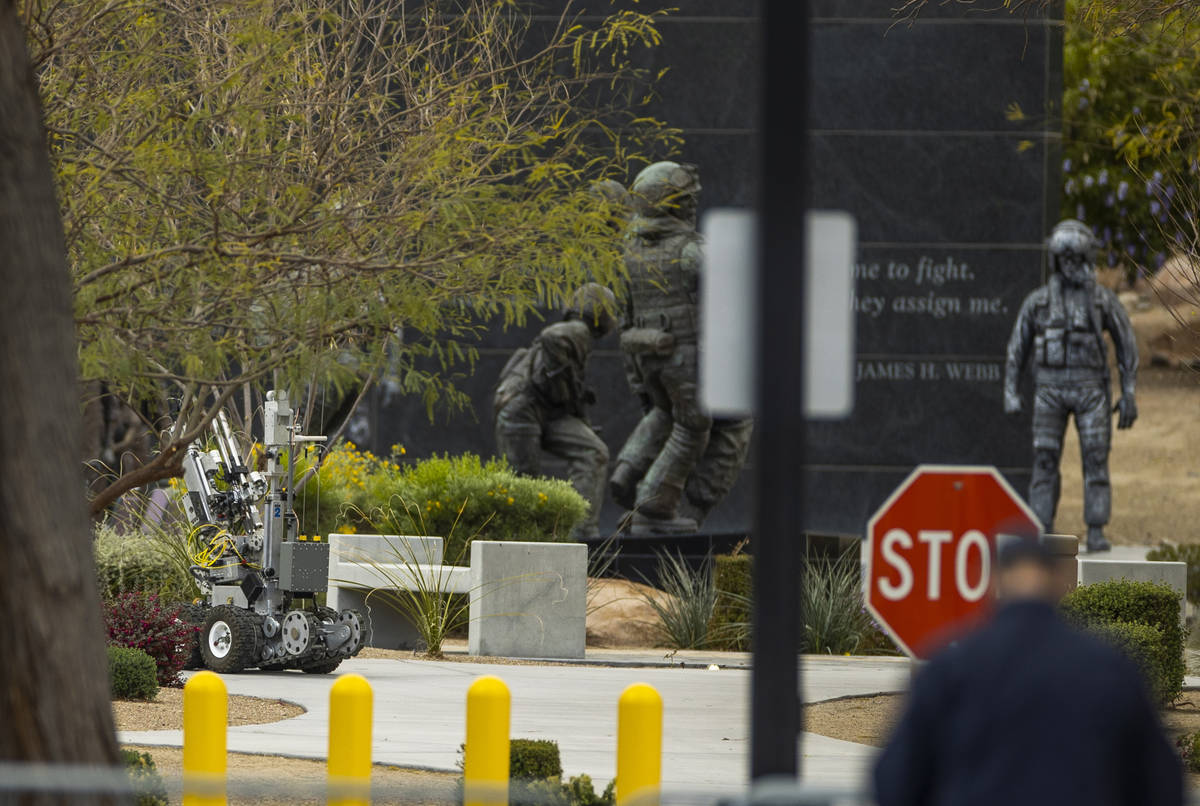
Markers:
643,525
1096,541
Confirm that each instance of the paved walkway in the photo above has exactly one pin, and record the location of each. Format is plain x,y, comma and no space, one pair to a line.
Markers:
419,713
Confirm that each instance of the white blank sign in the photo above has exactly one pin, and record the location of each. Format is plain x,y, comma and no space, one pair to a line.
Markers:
728,314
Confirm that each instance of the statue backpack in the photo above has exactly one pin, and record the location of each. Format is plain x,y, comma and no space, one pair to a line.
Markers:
514,378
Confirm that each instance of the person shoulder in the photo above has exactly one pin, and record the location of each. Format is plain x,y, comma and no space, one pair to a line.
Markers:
1036,297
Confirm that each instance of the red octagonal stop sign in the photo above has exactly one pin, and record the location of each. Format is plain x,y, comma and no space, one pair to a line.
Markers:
929,552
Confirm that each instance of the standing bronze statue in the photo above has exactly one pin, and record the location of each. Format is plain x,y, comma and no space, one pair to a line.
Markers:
540,402
678,463
1061,328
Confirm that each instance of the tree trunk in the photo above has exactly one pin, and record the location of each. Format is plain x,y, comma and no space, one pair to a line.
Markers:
54,700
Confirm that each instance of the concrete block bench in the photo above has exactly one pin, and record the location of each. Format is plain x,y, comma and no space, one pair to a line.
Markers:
526,599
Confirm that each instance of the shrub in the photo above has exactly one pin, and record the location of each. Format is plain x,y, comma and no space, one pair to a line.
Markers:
132,674
1189,750
1189,554
151,791
1098,606
685,613
835,620
142,622
730,625
458,498
533,759
137,563
535,777
1144,645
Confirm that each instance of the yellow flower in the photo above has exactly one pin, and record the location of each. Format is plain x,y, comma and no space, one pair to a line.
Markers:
510,500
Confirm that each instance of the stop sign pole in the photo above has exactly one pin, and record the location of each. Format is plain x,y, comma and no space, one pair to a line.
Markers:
929,552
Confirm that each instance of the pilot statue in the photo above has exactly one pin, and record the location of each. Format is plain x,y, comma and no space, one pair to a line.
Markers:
1060,330
541,399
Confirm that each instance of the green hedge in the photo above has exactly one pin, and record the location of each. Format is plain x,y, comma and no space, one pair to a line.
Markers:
134,563
733,576
1189,554
533,760
459,498
1113,608
132,674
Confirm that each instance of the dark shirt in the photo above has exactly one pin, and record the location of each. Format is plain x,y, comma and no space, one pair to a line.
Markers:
1029,711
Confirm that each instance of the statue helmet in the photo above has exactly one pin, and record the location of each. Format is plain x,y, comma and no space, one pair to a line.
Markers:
663,186
1072,236
595,306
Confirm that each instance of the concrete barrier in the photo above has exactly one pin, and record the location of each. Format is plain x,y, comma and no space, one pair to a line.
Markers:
528,600
1173,574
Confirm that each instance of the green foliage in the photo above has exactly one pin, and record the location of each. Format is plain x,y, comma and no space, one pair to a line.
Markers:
137,563
535,777
323,192
533,759
581,792
1190,554
730,625
1144,645
1103,604
132,674
151,791
459,498
835,621
685,612
1131,138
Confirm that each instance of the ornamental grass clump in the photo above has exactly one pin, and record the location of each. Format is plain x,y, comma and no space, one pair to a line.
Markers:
686,611
141,563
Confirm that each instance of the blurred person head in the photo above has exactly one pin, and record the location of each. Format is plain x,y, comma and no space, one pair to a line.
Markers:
1024,570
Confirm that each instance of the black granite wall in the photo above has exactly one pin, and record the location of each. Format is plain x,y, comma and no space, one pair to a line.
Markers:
910,134
912,131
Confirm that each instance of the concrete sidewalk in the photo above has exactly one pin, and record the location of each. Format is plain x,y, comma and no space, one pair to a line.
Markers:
419,714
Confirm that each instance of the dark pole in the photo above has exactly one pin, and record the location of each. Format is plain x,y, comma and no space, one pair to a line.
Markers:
778,509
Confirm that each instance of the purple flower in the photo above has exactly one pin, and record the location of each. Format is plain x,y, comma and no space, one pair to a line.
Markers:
1112,258
1159,260
1088,181
1083,102
1110,200
1122,190
1070,187
1155,208
1079,212
1170,191
1103,178
1137,110
1067,165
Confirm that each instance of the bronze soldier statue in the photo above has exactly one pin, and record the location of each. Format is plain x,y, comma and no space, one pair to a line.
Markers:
542,396
1061,327
659,342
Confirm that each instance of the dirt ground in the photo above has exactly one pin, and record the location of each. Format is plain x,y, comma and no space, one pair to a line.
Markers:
165,711
869,720
258,780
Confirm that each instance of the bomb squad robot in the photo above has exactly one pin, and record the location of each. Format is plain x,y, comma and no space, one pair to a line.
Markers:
259,579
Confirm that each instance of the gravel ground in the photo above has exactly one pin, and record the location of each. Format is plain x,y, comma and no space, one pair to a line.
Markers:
165,711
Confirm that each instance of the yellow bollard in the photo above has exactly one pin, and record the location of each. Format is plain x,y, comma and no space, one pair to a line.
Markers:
205,715
350,702
485,762
639,746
